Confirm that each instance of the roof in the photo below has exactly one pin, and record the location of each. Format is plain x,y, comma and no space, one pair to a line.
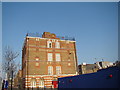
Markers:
47,36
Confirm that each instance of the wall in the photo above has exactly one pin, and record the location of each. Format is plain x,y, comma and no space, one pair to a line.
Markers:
100,79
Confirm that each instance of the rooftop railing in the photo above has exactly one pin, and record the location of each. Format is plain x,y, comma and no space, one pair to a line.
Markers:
40,35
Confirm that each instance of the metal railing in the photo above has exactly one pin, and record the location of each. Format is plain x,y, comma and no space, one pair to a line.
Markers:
40,35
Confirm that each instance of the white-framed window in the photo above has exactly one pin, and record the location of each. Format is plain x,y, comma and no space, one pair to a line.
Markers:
58,57
37,39
49,44
37,64
57,45
69,64
50,70
58,70
50,57
41,83
37,58
33,83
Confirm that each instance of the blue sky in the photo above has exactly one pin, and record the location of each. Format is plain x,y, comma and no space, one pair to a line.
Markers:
94,25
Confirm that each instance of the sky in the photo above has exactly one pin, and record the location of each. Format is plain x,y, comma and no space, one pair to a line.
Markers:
93,24
0,26
60,0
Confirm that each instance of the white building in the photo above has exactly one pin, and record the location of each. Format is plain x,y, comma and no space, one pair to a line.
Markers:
104,64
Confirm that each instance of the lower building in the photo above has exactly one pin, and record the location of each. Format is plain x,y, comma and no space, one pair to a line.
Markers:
117,63
0,83
104,64
87,68
18,80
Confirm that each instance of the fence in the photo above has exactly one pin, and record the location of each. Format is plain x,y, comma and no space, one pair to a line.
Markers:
40,35
33,89
105,78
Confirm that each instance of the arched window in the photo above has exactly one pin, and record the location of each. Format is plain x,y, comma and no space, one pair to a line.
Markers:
41,83
49,44
57,45
33,83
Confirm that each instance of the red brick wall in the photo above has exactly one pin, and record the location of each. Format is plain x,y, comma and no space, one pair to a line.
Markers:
37,48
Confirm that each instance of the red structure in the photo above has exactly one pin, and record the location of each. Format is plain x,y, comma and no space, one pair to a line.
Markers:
55,84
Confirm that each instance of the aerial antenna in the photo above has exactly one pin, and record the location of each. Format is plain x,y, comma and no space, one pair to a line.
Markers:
27,33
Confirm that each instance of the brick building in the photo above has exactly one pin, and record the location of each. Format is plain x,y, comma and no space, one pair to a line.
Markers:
18,80
87,68
46,58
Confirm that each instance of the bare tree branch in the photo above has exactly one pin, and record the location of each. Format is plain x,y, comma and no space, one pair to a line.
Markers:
9,54
9,64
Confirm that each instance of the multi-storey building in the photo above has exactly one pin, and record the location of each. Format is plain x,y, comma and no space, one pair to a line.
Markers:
46,58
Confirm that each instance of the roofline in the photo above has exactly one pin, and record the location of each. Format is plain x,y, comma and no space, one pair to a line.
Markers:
50,38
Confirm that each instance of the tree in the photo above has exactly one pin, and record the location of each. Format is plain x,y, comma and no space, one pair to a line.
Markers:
9,65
